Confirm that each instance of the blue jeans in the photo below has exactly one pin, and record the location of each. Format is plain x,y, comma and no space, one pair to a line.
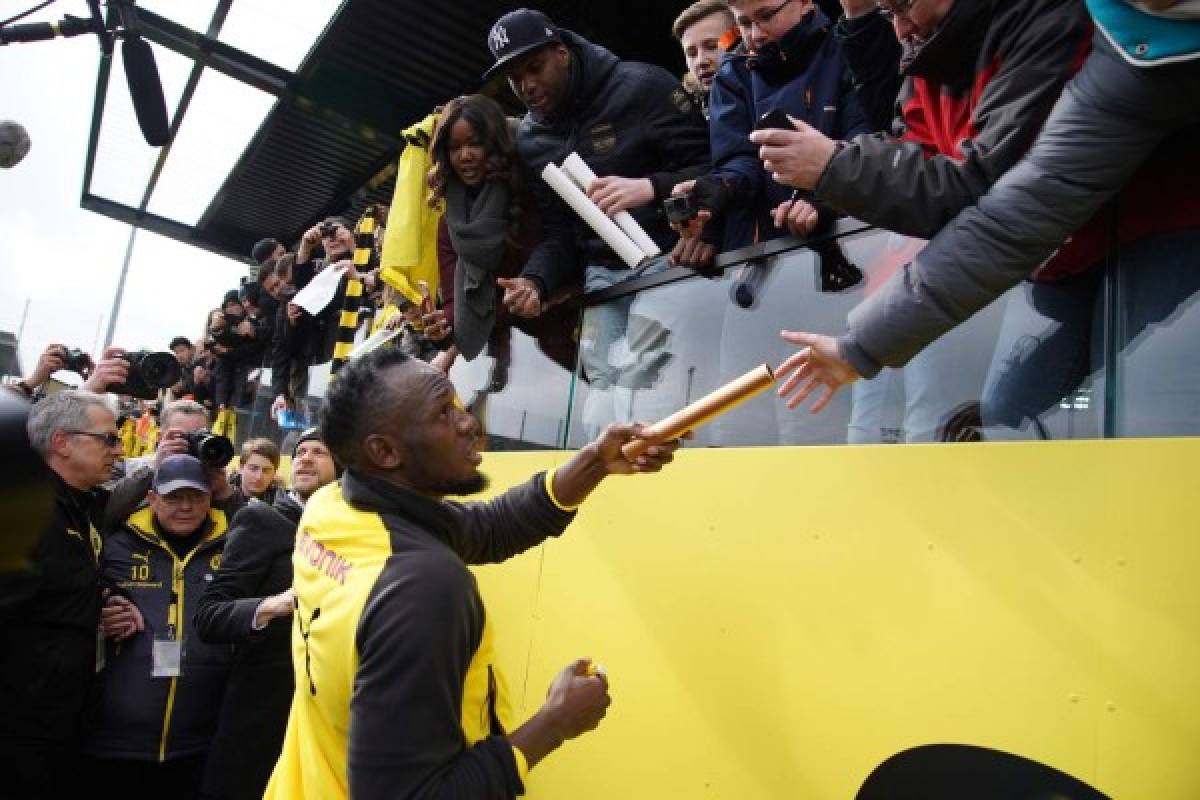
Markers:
1157,385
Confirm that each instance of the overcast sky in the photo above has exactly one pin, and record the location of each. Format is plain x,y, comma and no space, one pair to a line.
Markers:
65,261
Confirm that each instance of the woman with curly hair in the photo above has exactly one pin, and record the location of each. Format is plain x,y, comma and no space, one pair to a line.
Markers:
485,235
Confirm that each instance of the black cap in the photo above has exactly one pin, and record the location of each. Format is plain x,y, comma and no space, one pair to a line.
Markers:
310,434
180,471
517,33
232,296
263,249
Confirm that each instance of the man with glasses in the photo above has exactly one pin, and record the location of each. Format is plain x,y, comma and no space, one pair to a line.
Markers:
50,611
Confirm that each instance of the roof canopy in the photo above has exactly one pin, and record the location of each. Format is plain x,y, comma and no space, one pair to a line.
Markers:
312,95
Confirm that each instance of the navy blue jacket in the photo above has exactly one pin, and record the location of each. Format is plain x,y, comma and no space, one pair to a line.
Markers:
814,85
142,718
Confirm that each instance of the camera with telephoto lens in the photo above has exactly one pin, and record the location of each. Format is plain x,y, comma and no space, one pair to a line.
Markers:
212,449
148,373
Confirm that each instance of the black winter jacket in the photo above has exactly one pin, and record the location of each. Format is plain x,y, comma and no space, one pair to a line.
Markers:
48,618
624,118
144,718
257,564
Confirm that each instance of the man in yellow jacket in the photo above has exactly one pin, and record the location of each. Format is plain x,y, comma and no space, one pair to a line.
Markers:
397,693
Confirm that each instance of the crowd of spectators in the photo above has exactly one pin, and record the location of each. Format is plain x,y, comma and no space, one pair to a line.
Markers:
902,113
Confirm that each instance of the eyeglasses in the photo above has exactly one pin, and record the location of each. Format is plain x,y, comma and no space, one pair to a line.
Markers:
110,439
763,18
891,10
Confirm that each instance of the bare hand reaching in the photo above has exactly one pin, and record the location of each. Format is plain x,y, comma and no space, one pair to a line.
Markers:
818,364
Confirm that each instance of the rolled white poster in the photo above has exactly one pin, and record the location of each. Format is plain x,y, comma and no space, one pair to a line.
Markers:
578,171
604,227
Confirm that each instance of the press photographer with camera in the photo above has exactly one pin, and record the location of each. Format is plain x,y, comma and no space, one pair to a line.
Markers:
183,425
113,370
237,341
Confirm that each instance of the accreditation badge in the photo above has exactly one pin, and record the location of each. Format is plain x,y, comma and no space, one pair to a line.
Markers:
167,661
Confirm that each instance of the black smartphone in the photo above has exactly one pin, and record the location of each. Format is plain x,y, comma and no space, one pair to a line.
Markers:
775,118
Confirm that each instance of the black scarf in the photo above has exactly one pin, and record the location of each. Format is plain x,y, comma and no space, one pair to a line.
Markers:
478,228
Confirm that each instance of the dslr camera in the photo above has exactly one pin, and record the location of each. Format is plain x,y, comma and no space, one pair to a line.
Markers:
212,449
148,372
77,361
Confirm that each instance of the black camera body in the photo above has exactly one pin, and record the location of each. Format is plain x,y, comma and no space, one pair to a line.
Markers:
681,208
212,449
77,361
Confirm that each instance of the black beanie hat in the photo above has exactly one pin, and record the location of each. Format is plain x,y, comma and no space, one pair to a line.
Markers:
307,435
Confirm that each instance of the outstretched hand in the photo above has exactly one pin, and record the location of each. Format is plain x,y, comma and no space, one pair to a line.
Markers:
818,364
616,436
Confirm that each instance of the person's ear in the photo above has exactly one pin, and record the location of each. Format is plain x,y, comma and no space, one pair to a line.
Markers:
58,444
382,452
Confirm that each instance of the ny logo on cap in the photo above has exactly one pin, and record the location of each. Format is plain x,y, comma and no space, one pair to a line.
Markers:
497,39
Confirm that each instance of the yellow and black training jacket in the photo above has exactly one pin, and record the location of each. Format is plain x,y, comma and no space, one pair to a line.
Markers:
397,693
141,717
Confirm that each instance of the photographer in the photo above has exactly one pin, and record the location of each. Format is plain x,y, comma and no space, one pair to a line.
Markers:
232,337
185,354
111,371
176,422
49,612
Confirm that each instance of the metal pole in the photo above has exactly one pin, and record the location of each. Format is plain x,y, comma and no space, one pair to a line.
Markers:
24,315
116,307
96,337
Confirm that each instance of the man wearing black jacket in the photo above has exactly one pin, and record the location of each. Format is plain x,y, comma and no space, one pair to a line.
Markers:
249,604
49,613
641,133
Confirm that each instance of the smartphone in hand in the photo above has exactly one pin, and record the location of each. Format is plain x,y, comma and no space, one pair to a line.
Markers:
775,118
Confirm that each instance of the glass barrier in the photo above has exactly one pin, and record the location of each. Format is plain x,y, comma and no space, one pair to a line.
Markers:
648,354
521,397
519,388
1108,353
1153,324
